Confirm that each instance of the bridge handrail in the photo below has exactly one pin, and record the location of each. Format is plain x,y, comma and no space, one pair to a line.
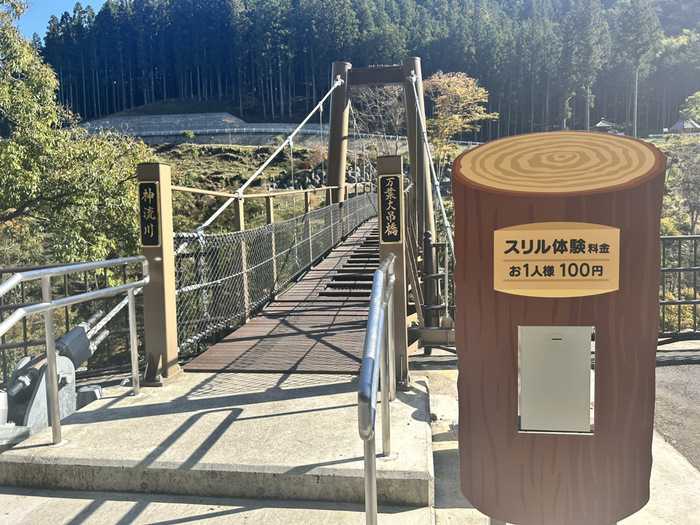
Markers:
267,194
48,305
377,360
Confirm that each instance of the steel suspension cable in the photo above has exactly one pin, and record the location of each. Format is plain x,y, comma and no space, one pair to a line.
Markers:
338,82
436,184
291,170
362,142
323,159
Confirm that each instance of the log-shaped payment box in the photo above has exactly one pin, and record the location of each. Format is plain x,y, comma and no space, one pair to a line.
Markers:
557,243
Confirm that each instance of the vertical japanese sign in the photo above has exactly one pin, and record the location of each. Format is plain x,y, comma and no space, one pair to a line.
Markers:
390,209
557,259
149,213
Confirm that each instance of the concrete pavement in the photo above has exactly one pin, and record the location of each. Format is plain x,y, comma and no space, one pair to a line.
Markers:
674,484
270,438
292,436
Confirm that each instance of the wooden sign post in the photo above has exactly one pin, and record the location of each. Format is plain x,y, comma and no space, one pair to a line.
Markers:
160,320
557,234
391,240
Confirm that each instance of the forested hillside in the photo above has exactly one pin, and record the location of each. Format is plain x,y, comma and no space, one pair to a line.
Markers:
542,61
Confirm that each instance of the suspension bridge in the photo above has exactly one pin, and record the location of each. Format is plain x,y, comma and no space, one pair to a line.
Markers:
298,317
271,409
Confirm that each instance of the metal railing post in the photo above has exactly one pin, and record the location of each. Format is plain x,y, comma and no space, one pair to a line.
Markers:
307,224
51,369
429,268
270,213
390,337
134,344
370,482
243,269
384,381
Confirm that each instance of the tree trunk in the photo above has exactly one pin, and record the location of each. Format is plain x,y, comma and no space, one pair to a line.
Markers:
131,86
281,88
107,82
587,120
123,83
95,93
569,177
546,105
82,74
152,82
61,86
532,104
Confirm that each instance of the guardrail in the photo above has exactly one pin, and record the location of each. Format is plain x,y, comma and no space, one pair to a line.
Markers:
48,305
378,360
680,292
110,354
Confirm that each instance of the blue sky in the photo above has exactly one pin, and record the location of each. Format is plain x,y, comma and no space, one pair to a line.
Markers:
37,18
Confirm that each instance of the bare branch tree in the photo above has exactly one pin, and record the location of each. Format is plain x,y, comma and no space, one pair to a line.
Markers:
381,111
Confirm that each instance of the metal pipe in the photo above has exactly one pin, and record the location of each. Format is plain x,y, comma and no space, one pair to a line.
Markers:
367,389
370,482
51,370
133,340
391,350
20,313
71,268
383,373
376,362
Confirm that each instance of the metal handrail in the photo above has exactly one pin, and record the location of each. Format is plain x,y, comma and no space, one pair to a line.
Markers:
48,305
378,360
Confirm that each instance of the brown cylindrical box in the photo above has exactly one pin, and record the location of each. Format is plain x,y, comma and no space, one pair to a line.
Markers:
562,188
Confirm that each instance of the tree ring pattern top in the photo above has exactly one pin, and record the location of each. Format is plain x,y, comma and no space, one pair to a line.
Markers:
559,163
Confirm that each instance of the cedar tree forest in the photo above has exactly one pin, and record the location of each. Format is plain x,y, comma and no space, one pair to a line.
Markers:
546,64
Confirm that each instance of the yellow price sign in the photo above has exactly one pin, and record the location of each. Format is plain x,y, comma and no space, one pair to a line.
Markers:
557,259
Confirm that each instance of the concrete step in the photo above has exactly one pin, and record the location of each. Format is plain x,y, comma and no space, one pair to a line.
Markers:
32,506
272,436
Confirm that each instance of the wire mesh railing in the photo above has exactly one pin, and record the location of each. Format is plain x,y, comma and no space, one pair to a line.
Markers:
221,279
679,294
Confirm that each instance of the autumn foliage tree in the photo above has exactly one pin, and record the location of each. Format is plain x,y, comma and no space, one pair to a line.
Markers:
458,108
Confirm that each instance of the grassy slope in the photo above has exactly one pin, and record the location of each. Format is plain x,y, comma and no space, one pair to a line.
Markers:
226,168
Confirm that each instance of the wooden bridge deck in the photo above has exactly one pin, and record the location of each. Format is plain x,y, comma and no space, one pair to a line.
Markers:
316,326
